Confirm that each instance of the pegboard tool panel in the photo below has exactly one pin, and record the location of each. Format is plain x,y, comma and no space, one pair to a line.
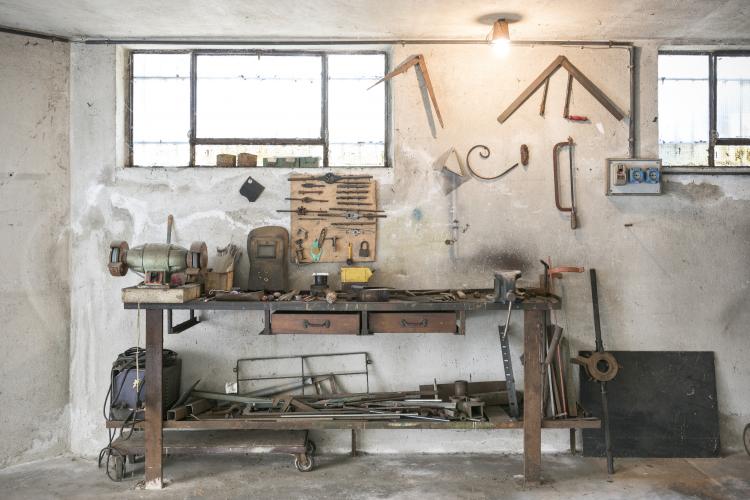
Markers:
349,216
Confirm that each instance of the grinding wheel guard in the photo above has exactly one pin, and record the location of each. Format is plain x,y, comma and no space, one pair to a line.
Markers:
591,364
118,254
197,259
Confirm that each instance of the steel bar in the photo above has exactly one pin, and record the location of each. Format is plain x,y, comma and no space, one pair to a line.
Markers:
553,344
603,385
154,410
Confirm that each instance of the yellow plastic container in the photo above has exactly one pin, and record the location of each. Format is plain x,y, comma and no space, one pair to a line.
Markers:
355,274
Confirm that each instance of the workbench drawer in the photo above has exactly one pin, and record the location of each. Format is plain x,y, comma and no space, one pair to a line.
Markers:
320,323
413,322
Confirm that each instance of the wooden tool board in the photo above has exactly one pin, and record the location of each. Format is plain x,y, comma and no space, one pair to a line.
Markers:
311,224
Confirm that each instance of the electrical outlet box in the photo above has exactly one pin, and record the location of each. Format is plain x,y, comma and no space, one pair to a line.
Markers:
633,176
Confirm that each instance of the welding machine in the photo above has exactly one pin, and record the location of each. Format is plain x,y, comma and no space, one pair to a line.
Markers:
127,397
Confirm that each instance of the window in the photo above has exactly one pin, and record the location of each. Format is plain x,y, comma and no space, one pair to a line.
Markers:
187,107
704,109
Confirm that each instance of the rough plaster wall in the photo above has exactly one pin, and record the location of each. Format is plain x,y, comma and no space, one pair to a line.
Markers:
34,204
653,275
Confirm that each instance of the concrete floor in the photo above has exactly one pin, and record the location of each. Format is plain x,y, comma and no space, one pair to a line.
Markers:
389,476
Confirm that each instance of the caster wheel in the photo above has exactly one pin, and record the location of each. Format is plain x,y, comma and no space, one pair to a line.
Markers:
746,438
310,448
116,468
304,463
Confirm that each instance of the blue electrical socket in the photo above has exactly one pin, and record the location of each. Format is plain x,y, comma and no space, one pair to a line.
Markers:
636,175
653,176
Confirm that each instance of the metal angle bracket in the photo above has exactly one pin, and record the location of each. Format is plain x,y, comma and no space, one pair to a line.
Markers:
417,60
543,79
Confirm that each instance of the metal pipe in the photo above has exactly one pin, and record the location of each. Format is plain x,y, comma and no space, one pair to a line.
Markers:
33,34
633,110
344,41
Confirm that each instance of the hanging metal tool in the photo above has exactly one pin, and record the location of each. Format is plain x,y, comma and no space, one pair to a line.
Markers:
555,168
510,380
308,191
602,384
316,251
329,178
312,185
303,211
417,60
485,153
307,199
352,191
566,110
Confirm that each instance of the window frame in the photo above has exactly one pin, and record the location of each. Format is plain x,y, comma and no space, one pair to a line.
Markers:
713,136
322,140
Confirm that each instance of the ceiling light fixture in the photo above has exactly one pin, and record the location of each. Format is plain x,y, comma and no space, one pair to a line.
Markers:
500,36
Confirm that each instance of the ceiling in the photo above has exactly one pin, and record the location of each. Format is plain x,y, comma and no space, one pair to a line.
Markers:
689,20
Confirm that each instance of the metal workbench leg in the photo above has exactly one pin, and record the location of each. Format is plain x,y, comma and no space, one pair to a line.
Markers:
153,427
532,396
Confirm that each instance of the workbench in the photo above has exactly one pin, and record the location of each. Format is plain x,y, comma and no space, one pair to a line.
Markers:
531,423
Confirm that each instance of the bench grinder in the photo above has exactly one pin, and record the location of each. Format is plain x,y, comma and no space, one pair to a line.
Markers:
159,263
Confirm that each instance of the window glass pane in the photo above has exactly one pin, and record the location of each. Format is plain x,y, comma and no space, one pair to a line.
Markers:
205,155
356,115
733,97
161,109
732,156
683,109
255,97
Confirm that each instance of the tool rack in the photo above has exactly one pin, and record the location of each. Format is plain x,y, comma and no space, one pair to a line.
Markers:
531,423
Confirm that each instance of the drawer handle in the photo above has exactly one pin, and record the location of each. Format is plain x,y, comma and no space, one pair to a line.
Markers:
414,324
308,324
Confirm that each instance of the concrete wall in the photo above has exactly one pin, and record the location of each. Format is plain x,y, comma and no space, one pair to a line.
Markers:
34,307
672,268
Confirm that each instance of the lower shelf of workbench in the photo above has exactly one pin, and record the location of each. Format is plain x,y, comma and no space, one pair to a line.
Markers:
308,424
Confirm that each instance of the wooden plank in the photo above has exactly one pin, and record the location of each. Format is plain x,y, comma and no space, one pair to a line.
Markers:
297,423
154,410
532,387
315,323
176,295
537,303
529,91
431,322
595,91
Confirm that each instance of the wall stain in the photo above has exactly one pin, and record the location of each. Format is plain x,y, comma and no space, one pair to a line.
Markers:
694,192
490,259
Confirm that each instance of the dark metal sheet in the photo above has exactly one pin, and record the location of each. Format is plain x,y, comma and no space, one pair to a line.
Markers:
661,404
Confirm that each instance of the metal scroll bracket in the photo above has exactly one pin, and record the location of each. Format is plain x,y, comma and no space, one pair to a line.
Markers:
485,153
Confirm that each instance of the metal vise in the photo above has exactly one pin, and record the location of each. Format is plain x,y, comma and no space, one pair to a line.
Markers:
505,285
158,262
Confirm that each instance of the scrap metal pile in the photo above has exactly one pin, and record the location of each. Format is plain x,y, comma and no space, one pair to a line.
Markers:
410,405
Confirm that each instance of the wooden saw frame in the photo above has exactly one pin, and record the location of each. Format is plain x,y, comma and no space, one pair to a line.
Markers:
417,60
543,79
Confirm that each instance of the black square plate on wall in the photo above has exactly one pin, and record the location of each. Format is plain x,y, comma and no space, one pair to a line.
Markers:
662,404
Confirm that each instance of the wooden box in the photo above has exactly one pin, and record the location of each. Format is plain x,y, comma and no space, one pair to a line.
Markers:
146,295
219,281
